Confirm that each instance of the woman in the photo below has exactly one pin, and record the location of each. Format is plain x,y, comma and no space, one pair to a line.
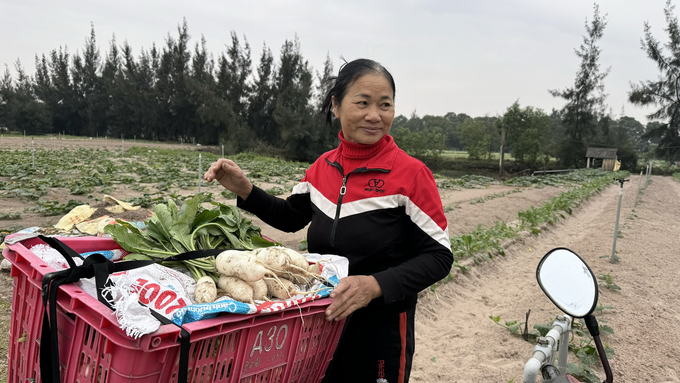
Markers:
368,201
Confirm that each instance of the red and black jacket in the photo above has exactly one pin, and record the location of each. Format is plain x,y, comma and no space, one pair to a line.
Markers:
385,216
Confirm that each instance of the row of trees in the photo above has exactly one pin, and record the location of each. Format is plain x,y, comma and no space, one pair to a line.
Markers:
176,93
532,136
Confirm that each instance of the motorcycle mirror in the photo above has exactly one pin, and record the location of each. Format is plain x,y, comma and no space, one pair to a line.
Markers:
568,281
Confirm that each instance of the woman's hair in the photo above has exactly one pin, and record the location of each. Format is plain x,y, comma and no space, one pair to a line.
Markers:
348,74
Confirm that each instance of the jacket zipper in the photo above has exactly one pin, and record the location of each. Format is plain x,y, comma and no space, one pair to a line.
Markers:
343,190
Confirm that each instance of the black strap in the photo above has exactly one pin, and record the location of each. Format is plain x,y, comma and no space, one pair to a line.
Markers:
184,347
64,250
99,267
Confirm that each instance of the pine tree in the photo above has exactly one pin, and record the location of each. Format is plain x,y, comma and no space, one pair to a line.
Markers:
25,112
585,99
325,137
233,88
663,92
261,103
7,100
60,95
292,113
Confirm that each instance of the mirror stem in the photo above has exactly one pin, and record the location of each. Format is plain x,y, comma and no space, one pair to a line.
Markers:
594,329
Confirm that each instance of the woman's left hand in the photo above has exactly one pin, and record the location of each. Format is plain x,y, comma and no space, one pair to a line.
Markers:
351,294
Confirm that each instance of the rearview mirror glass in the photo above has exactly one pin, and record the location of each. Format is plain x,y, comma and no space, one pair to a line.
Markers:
568,281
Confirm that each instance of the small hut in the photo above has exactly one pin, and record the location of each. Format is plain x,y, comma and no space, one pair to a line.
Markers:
601,157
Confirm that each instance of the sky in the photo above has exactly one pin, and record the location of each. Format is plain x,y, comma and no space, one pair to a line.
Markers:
474,57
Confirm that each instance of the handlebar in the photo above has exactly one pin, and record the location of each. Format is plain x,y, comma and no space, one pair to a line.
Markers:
544,352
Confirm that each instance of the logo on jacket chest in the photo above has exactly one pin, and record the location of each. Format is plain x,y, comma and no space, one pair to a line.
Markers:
375,185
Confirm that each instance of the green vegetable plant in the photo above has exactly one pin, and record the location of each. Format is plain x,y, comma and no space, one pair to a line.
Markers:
513,326
494,196
51,208
302,246
601,308
483,243
608,281
10,216
173,230
580,344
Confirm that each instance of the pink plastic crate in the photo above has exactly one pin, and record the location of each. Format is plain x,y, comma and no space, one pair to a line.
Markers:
285,347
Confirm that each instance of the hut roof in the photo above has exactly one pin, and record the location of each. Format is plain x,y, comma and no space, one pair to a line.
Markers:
601,152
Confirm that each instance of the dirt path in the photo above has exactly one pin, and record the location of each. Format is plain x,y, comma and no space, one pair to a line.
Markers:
467,213
457,342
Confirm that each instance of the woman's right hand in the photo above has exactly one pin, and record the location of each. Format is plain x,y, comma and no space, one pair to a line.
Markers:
229,175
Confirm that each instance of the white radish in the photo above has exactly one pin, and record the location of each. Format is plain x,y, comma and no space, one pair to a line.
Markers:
259,290
315,268
206,292
236,288
274,258
285,289
282,288
240,264
296,258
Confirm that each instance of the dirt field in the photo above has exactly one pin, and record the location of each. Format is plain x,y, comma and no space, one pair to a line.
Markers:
457,342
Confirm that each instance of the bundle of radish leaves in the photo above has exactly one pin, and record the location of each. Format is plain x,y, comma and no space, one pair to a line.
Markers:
172,230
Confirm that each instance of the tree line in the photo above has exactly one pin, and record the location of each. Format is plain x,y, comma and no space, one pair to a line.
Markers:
181,93
174,93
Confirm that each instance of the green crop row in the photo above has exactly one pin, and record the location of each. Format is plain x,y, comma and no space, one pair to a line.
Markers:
485,242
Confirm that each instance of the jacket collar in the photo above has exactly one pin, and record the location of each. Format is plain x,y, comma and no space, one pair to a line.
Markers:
380,155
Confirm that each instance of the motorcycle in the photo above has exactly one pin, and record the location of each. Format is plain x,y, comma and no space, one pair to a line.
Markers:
571,285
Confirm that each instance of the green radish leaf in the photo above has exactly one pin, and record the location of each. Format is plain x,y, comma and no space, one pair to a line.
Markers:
131,242
214,231
228,222
163,219
261,242
234,241
137,257
172,209
155,232
204,217
181,227
133,228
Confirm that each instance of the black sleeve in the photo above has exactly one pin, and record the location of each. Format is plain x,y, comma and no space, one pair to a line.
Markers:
429,256
431,264
289,215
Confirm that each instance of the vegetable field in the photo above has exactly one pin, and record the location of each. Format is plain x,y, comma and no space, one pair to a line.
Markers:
498,231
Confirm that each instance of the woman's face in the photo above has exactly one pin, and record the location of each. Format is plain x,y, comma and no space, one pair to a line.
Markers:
367,110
